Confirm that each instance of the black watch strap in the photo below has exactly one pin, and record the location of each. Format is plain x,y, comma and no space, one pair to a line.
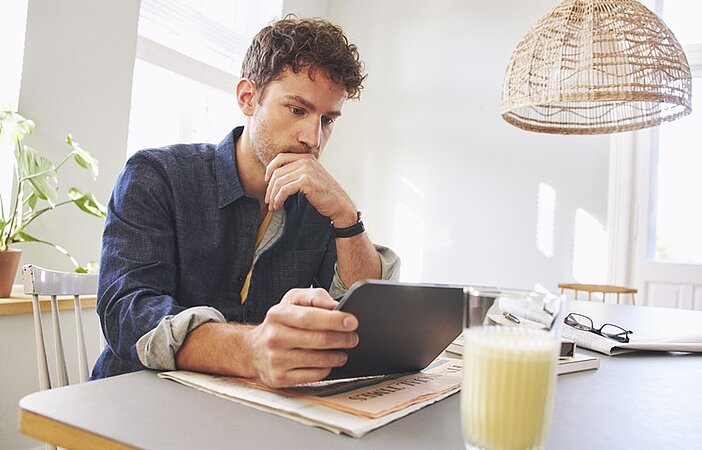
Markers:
353,230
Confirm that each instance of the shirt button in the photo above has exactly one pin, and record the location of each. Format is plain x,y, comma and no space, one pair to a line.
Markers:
240,278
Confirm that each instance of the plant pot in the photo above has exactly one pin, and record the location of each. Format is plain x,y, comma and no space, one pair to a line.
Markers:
9,262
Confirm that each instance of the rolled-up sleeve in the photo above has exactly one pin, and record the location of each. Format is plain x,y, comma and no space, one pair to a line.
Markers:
157,348
389,269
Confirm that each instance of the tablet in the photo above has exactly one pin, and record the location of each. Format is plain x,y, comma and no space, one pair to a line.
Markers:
401,327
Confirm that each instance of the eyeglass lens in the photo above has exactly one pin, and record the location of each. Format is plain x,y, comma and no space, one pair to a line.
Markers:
579,321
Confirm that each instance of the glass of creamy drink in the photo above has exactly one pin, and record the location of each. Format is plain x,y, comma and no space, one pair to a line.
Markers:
509,369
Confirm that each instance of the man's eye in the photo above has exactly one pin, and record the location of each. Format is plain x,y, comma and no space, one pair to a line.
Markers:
297,111
327,120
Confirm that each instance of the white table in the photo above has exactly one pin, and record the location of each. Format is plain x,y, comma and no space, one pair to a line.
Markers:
634,401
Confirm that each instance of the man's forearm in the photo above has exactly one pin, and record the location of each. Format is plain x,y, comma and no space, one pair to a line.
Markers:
357,259
220,348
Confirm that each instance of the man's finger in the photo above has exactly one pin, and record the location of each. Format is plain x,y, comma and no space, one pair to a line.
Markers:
302,366
275,178
306,318
312,359
299,376
320,340
317,297
282,159
286,191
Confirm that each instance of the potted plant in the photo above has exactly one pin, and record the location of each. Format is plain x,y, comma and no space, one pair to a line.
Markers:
35,191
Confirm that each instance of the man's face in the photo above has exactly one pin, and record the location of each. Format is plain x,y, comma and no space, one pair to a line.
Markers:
295,115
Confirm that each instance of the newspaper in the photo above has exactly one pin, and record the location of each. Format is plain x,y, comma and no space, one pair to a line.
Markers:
353,407
595,342
524,311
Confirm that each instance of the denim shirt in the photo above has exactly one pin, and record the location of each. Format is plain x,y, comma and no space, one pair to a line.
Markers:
180,232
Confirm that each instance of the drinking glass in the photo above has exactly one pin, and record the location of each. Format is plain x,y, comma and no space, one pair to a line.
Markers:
511,346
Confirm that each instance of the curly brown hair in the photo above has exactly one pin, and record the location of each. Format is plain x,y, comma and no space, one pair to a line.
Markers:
299,44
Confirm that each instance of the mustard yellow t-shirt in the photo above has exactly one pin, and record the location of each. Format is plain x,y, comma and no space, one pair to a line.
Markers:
259,237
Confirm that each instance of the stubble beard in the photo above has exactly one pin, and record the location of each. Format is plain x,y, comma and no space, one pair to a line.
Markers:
265,148
262,143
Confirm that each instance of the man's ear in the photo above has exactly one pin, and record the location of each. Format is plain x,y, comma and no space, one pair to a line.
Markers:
246,96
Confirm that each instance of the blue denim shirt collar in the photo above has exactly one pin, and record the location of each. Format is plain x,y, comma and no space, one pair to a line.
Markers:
229,187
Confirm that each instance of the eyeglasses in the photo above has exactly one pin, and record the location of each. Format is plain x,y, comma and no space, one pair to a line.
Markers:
608,330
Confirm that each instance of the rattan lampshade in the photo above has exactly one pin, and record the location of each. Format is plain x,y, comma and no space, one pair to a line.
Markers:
596,66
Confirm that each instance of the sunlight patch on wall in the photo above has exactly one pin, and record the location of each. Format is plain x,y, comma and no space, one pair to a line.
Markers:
545,219
589,249
408,241
412,187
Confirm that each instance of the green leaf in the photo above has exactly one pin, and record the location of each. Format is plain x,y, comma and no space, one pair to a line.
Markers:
14,127
32,200
40,172
3,224
91,267
83,157
24,237
87,202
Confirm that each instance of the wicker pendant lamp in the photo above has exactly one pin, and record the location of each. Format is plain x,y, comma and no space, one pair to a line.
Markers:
596,66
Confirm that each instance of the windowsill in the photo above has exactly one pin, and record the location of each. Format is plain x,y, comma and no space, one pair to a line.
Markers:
20,303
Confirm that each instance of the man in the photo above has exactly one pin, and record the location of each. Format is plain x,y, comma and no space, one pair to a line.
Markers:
227,259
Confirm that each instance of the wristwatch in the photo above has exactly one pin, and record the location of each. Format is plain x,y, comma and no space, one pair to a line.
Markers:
353,230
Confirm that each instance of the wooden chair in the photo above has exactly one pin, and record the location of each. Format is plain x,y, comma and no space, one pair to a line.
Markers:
603,289
39,281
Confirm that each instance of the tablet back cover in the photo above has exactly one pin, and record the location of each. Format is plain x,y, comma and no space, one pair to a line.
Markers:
402,327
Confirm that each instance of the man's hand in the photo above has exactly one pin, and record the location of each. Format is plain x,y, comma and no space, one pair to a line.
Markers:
300,338
290,173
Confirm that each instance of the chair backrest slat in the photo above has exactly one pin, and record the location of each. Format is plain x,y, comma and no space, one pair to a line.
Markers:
61,371
39,281
42,366
81,351
603,289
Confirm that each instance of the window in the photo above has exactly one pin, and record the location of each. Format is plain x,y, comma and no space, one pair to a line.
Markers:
678,217
189,55
675,218
682,16
12,27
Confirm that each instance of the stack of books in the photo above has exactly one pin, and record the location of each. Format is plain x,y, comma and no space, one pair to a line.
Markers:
570,361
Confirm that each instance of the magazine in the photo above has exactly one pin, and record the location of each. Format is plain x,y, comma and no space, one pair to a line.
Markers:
352,407
610,347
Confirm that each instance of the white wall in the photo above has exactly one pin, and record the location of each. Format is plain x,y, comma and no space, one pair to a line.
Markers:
77,78
437,172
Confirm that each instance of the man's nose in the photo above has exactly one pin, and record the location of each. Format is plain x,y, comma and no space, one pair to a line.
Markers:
311,133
